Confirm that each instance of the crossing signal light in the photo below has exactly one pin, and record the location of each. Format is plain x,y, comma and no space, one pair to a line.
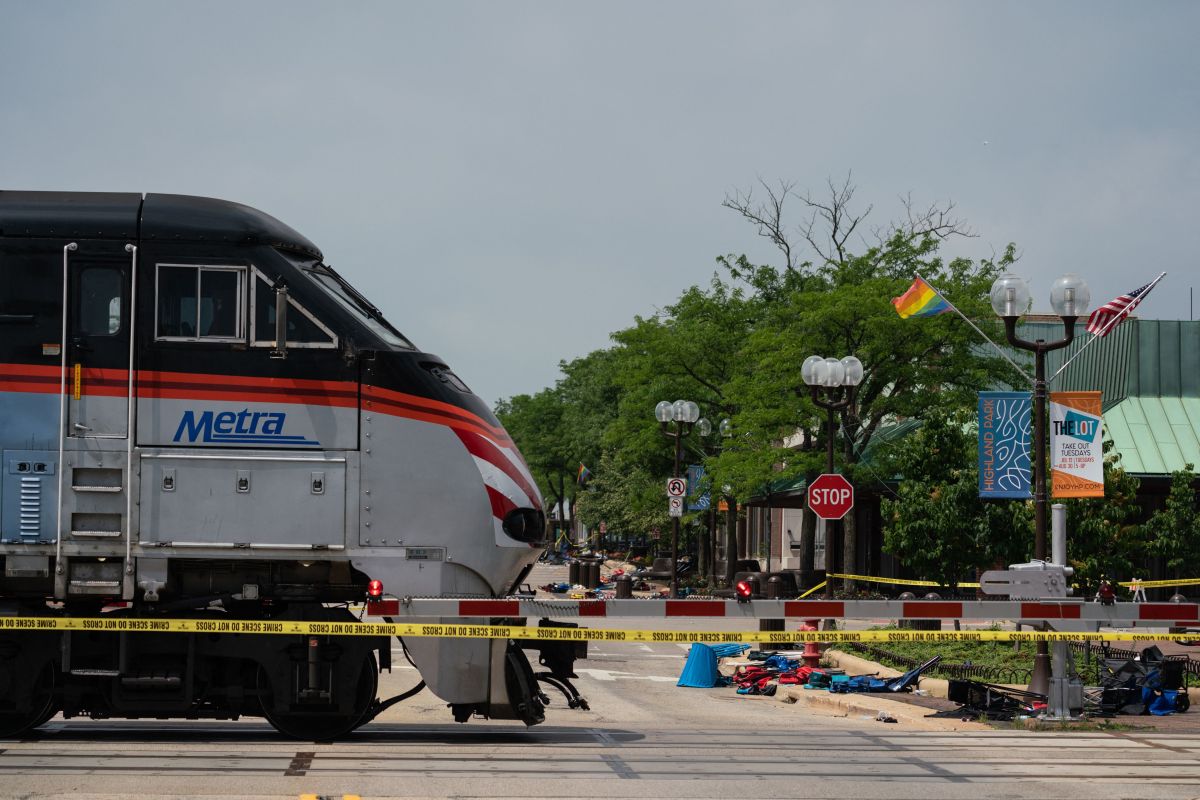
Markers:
744,591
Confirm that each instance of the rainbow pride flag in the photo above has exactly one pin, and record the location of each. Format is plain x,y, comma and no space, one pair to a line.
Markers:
921,300
583,474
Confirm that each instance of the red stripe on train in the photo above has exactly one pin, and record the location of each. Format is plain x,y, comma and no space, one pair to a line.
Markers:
483,448
501,505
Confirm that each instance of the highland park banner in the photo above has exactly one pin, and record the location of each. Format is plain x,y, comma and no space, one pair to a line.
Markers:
1076,447
1004,463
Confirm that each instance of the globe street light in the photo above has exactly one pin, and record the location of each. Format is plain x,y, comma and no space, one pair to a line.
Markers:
835,379
684,414
1069,297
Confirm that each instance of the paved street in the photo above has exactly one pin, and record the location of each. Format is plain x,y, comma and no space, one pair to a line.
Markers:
643,738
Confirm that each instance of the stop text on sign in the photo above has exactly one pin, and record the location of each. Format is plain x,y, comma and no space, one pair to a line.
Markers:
830,496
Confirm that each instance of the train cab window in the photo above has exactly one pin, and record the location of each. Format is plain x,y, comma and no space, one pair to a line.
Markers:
201,303
99,311
304,330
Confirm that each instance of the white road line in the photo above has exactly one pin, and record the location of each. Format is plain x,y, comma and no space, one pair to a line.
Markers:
614,675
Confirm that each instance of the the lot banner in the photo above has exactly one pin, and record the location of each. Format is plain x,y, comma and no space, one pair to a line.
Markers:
1004,444
1076,447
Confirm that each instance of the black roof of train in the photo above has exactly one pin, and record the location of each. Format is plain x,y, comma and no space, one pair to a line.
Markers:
154,217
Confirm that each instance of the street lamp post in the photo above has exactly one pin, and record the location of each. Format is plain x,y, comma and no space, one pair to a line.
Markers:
1069,297
725,428
836,380
685,414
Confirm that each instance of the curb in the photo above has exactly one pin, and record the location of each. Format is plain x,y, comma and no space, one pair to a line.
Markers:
908,716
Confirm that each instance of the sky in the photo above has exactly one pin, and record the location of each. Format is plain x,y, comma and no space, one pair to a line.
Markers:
512,181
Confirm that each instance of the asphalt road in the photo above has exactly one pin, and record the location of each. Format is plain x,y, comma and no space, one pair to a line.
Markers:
643,738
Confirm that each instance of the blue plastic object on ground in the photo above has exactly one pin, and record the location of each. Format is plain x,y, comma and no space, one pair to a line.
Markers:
700,671
729,650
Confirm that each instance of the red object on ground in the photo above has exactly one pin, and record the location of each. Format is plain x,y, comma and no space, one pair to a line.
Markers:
830,496
812,650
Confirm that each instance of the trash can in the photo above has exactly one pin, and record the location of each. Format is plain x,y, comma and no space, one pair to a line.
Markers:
624,587
590,574
573,572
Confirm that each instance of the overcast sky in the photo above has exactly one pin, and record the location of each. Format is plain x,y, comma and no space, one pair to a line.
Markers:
511,182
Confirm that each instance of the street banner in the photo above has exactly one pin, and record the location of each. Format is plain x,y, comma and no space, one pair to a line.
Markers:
1076,446
695,476
1004,465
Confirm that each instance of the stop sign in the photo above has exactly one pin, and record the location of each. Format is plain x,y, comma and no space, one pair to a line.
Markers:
830,496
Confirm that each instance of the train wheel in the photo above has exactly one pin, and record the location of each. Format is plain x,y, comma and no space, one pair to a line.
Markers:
317,726
41,706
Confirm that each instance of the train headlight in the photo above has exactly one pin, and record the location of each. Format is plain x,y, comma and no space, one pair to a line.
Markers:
526,525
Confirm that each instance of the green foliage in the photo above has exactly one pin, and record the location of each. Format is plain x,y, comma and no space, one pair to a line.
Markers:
1102,540
627,497
536,424
938,525
735,347
959,651
1174,531
912,368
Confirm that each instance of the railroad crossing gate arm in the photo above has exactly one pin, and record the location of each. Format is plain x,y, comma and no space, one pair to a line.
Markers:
1054,610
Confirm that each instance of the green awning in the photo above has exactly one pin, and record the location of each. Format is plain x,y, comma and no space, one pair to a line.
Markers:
1155,435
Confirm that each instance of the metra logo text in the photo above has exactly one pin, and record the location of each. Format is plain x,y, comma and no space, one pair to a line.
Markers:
238,427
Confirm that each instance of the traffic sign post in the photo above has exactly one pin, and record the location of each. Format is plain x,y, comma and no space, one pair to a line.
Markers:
830,496
676,487
675,506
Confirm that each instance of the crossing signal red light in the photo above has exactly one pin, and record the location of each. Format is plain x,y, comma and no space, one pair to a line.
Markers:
744,591
374,588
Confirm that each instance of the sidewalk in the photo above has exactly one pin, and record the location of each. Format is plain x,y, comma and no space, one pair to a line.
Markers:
1187,723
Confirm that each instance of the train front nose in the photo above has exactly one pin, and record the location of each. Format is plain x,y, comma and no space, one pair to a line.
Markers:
449,509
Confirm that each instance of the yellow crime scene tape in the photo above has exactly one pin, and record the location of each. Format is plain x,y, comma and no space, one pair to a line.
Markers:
900,581
1160,584
818,587
467,631
975,585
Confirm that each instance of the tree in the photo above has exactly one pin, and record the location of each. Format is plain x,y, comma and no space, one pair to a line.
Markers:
535,422
1101,538
1173,532
937,523
626,496
838,305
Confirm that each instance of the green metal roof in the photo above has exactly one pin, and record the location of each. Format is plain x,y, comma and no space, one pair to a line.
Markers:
1156,435
1148,373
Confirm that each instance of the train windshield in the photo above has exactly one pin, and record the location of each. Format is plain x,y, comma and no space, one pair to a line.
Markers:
353,301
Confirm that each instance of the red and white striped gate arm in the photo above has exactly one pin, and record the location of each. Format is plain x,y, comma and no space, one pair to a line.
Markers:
1122,615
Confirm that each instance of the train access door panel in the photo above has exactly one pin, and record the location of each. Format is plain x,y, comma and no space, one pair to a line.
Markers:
98,342
243,501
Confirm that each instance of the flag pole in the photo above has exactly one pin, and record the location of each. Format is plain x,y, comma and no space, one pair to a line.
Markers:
976,329
1112,323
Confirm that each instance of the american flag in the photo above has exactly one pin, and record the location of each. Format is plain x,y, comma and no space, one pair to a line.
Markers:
1117,310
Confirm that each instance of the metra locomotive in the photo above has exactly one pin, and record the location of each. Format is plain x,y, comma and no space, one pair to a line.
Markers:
198,417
